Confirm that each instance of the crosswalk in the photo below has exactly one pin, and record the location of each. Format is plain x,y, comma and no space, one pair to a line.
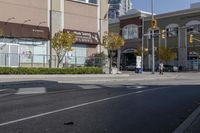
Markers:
43,90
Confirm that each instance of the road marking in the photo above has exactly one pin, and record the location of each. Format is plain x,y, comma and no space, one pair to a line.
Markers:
185,125
136,87
3,90
33,90
76,106
89,87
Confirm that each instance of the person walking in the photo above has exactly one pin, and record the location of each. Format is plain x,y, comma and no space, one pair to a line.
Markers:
161,67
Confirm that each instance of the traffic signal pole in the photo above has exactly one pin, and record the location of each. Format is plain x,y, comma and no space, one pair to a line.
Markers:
153,47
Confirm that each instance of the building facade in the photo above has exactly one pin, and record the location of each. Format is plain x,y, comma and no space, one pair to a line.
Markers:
27,27
129,26
118,8
25,31
178,27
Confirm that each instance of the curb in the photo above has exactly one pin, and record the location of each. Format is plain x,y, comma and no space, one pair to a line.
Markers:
188,122
63,75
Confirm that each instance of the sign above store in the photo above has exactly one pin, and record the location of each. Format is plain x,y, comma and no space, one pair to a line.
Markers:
85,37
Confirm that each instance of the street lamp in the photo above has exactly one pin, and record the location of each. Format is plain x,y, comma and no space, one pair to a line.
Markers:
50,34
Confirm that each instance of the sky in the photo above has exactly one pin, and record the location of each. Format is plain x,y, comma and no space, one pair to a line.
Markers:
163,6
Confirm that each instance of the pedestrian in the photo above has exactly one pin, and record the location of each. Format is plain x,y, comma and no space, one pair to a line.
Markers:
161,67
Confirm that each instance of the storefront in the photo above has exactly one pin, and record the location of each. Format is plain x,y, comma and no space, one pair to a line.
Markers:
23,45
85,46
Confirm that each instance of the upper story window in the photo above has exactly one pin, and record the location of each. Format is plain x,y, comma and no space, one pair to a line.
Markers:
194,29
88,1
130,31
193,26
172,31
93,1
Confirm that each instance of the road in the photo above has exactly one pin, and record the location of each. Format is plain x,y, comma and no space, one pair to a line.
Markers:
100,107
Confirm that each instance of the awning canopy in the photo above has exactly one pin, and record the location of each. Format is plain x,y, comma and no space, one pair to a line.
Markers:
127,51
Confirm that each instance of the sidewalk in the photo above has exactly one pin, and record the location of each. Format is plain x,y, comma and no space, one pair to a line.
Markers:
131,76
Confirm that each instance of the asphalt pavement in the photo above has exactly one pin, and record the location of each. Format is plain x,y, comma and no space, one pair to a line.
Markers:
124,104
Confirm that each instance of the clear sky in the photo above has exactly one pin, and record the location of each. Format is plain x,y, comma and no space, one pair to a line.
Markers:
162,6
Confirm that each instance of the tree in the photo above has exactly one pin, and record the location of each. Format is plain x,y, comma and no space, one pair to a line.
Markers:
138,51
165,54
112,42
62,42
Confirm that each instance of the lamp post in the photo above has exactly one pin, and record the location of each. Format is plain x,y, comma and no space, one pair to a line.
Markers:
50,34
153,50
142,44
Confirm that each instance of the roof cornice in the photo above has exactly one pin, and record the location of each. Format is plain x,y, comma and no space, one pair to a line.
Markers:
176,13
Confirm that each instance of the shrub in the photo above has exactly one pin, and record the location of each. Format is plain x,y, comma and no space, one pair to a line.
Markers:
24,70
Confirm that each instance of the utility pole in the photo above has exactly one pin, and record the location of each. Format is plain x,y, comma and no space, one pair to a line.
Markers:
153,50
50,34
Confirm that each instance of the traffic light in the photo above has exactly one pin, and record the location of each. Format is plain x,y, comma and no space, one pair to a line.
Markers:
153,23
191,39
163,34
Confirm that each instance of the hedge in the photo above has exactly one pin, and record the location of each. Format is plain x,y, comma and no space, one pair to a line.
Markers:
24,70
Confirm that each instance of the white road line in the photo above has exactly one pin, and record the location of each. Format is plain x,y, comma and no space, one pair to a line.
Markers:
75,106
33,90
89,87
3,90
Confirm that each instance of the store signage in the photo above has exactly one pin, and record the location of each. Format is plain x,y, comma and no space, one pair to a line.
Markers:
85,37
38,31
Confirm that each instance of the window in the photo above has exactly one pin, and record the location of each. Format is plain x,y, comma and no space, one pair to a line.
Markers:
172,32
93,1
194,29
130,31
88,1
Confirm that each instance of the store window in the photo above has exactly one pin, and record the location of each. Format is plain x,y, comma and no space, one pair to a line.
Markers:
130,31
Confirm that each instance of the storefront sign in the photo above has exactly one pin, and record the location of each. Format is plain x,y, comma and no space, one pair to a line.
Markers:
85,37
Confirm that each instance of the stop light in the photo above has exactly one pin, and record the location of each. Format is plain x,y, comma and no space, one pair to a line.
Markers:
153,23
163,34
191,39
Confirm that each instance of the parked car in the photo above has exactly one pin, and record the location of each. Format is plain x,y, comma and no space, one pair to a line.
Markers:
170,68
130,67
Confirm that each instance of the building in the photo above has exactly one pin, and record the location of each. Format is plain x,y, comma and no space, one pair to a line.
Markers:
177,27
28,25
119,7
24,25
129,26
